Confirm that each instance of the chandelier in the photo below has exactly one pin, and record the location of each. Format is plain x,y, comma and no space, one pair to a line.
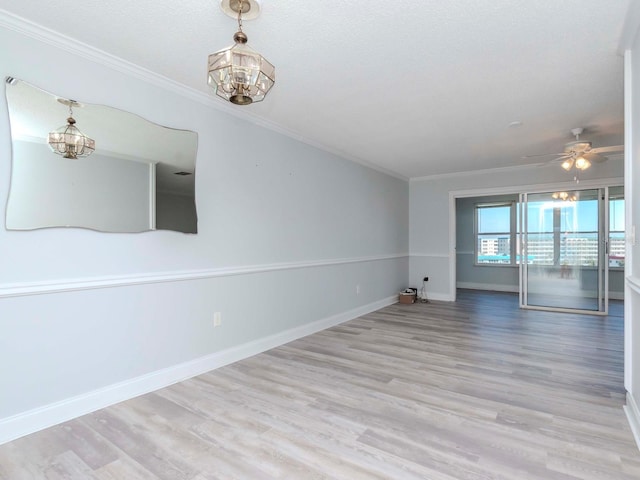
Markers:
238,73
68,140
566,196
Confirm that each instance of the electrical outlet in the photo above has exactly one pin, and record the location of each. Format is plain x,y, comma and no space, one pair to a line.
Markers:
357,289
425,279
217,319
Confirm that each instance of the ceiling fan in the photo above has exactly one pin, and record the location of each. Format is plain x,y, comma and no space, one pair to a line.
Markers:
579,154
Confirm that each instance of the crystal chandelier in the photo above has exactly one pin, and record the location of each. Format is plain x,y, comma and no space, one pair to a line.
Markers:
238,73
68,140
566,196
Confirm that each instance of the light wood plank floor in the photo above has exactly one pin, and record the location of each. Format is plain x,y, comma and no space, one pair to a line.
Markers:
476,389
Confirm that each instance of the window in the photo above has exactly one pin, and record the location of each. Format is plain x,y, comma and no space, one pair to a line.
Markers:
495,229
552,238
580,246
542,220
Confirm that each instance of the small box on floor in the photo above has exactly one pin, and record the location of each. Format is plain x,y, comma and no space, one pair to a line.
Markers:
407,296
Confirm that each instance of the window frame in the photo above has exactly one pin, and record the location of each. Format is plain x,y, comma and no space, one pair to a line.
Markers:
613,197
512,234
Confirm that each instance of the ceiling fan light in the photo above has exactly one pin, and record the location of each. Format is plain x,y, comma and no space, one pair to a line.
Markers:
567,164
582,163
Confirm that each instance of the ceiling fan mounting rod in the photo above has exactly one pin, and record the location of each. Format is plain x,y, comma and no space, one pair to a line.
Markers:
577,132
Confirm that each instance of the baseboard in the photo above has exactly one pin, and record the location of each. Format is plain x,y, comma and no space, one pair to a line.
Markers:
633,415
37,419
441,297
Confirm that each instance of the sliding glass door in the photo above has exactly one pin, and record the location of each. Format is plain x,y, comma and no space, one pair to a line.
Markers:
563,254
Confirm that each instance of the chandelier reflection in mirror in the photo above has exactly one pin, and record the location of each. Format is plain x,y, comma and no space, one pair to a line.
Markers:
68,140
238,73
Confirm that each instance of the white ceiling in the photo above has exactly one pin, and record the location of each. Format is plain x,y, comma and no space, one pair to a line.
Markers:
417,88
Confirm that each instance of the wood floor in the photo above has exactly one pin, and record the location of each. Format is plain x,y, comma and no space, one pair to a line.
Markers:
476,389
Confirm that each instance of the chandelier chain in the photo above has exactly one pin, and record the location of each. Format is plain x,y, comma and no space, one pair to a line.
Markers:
240,7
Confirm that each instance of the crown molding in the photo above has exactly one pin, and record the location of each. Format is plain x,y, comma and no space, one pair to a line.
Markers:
535,188
490,171
59,40
486,171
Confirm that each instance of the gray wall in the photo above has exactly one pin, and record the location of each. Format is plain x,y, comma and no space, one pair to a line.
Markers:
291,240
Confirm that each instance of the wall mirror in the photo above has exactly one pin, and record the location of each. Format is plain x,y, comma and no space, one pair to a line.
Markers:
140,177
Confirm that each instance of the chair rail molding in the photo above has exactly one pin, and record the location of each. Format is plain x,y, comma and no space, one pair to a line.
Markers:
69,285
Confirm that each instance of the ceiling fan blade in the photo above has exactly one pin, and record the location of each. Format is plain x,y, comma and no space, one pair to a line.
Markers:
611,149
544,155
595,157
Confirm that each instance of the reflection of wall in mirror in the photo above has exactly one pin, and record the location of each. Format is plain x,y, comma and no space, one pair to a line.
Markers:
176,212
103,193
